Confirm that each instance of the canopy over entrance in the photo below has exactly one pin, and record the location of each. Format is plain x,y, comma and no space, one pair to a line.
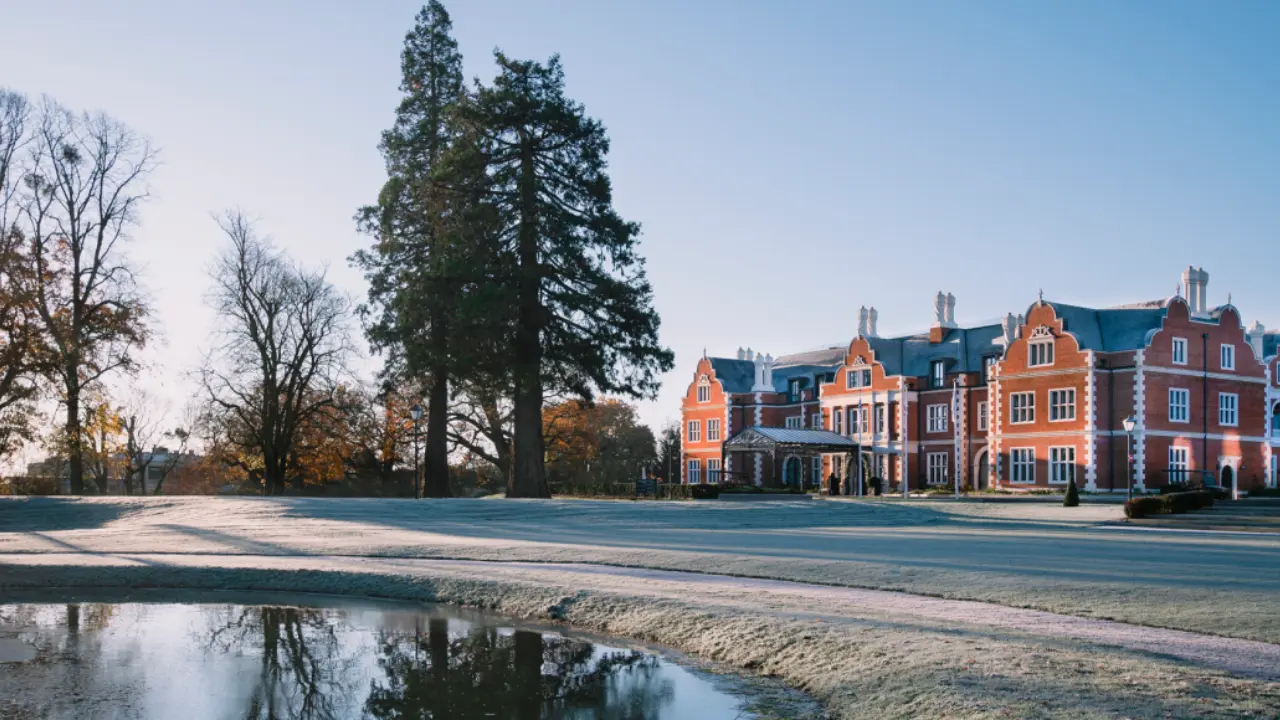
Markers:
789,440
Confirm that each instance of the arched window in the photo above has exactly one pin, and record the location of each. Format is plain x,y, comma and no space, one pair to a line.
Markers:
704,389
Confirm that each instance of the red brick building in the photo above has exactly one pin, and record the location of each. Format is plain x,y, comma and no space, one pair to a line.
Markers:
1034,401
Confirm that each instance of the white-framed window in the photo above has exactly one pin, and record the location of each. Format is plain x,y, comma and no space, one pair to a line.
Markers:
1179,463
851,421
864,417
937,419
794,392
693,474
795,422
1227,357
1179,351
1040,353
938,465
1228,409
882,419
1022,466
713,430
816,473
851,378
1062,464
704,389
1022,407
694,433
713,470
937,373
1062,405
1179,405
837,420
983,419
866,378
817,421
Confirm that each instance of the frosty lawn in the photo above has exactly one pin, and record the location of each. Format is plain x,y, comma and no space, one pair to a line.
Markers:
859,652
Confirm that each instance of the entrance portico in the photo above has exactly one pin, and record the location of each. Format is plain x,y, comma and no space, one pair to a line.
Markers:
798,448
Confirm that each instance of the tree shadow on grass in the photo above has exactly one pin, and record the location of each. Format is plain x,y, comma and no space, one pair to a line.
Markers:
48,514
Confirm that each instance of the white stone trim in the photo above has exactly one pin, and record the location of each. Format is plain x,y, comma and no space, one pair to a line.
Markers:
1199,374
1140,428
1211,436
904,435
1091,425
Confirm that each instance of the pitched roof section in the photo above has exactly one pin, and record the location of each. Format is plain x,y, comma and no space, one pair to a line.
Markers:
738,376
766,438
963,349
1111,329
1270,343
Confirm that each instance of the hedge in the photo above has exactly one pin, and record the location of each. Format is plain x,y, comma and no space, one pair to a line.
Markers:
1173,503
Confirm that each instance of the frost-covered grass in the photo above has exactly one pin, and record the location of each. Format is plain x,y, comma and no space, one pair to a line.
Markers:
861,660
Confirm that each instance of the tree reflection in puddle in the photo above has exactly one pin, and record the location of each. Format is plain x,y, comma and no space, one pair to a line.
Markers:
263,662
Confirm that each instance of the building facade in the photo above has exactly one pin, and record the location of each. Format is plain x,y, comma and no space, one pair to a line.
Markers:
1035,401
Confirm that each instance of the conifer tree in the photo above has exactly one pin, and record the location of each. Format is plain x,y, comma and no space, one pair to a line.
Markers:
411,295
583,309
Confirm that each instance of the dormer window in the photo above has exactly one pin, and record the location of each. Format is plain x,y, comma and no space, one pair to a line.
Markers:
988,364
851,378
1040,347
704,389
937,373
795,391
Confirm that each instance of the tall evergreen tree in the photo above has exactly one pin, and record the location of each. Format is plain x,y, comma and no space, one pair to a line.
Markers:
410,293
583,318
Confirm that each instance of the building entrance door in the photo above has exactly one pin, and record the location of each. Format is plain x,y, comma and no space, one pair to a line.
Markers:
980,477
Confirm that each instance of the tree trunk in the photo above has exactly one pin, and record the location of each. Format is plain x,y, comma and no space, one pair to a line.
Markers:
436,460
75,460
529,478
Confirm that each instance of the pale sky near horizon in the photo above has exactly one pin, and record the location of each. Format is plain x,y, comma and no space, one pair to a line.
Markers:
789,161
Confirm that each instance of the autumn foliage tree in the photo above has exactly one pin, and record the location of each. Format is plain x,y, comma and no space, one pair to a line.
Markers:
590,444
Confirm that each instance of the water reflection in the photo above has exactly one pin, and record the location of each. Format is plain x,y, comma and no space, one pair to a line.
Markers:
276,661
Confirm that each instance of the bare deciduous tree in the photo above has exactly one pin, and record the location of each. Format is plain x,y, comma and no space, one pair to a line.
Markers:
21,363
81,187
285,341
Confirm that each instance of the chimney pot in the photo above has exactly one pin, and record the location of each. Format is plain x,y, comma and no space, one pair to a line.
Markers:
873,318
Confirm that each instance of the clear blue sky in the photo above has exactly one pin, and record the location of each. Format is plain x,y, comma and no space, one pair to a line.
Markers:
789,161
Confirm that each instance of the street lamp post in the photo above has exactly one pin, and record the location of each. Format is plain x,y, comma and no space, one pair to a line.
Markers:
1129,424
415,412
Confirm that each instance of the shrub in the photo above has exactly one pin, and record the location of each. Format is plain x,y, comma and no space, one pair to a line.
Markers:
1072,498
1173,488
1182,502
704,492
1141,507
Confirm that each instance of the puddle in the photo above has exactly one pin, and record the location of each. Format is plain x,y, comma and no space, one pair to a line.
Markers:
182,655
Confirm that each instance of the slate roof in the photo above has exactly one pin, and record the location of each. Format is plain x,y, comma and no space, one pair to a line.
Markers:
738,376
1111,329
1270,343
962,348
790,436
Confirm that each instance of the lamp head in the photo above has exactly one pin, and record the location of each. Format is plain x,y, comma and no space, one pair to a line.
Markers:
1130,423
415,412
